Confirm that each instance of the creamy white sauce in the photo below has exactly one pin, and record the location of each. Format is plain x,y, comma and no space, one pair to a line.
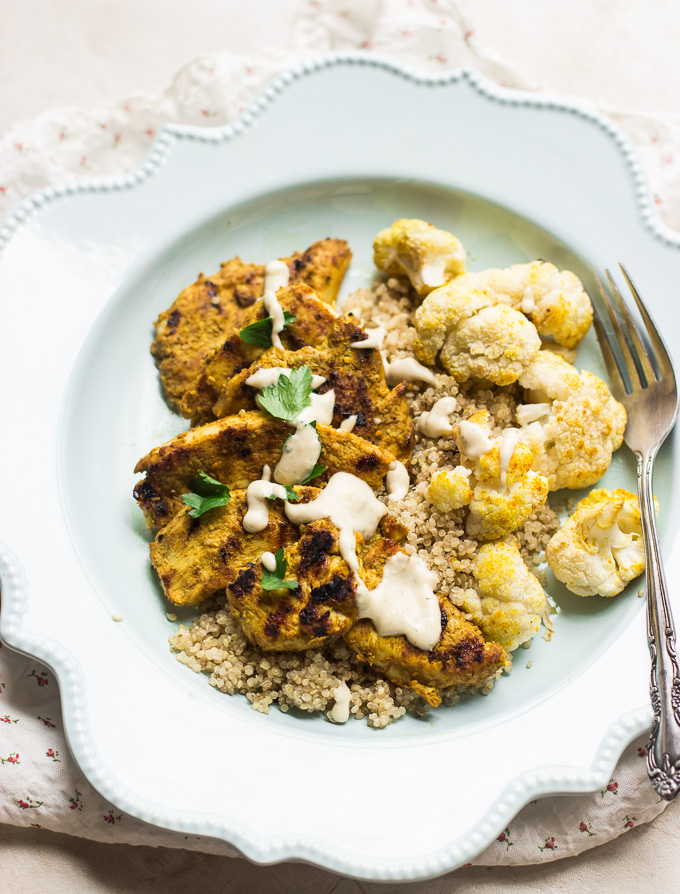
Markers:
476,440
320,410
527,413
276,275
257,516
509,440
268,561
407,369
397,480
404,602
436,422
350,504
375,338
528,301
263,378
348,424
339,713
299,455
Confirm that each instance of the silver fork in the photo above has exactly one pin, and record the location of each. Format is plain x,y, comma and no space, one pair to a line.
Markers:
642,379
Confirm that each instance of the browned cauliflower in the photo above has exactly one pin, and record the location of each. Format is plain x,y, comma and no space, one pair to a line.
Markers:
554,300
599,549
428,256
571,421
510,602
505,488
474,335
450,490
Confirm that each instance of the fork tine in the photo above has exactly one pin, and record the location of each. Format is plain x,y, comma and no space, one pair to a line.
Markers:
617,379
622,368
624,344
637,347
662,358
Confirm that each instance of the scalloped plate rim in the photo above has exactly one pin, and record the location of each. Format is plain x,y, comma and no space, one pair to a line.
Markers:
15,592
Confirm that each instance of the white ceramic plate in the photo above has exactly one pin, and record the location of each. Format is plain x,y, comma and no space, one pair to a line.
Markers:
339,148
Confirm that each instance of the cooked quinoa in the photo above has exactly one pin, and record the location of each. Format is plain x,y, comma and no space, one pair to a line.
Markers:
214,644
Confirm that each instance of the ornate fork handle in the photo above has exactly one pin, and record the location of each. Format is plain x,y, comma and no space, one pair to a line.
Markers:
663,756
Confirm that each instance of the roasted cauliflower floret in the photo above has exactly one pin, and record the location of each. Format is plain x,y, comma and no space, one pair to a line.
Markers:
576,425
599,549
450,490
554,300
506,489
428,256
510,602
474,335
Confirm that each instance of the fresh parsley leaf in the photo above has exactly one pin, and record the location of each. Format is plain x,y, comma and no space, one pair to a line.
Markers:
289,396
273,580
206,486
260,332
291,495
317,470
208,493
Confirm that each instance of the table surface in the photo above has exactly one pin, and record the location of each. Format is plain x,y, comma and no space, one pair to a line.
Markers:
87,53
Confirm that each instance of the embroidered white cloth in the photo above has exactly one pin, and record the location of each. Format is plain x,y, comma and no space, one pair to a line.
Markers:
40,785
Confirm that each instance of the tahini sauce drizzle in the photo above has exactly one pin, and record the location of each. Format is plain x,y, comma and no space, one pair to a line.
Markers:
509,440
397,480
436,422
299,455
350,504
528,301
339,713
407,369
475,438
257,516
348,424
404,602
375,339
276,275
268,561
320,410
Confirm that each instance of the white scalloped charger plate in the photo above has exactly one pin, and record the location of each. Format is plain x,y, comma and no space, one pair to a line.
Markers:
342,148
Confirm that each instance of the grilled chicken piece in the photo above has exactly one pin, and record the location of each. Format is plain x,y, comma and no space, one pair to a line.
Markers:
356,375
196,557
460,658
313,321
208,312
320,609
233,450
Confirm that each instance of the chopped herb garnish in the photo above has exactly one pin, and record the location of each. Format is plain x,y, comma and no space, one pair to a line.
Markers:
273,580
317,470
291,495
289,397
260,333
207,494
